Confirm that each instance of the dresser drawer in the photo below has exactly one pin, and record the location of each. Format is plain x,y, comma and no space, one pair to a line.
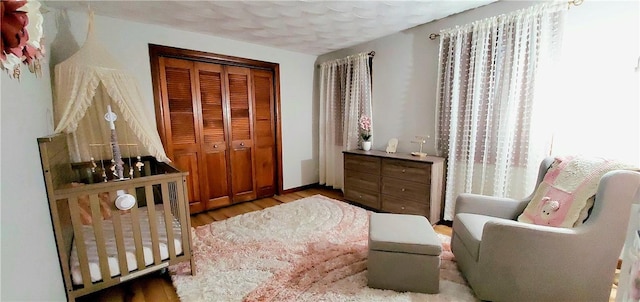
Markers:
395,205
409,170
363,197
367,164
404,189
395,183
361,181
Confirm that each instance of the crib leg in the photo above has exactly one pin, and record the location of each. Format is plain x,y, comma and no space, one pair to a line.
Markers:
193,265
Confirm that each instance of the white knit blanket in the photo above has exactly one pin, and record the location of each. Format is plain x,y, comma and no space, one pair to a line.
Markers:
565,195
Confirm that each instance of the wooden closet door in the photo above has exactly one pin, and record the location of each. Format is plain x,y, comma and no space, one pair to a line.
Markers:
264,140
219,122
241,133
182,127
212,93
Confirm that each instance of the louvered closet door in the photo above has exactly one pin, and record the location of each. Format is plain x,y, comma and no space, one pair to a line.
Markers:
215,185
241,133
264,125
181,120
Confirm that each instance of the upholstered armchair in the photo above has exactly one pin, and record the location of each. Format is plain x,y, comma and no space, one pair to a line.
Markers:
506,260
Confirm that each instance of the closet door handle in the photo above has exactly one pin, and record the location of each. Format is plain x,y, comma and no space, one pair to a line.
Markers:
242,144
215,146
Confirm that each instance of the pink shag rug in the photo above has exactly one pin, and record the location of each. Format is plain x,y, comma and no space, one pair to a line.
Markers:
312,249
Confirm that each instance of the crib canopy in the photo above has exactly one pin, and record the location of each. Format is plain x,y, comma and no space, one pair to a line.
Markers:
85,84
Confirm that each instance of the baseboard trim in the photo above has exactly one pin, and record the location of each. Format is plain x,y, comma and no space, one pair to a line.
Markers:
301,188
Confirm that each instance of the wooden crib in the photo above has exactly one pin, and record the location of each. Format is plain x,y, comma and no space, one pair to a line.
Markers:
99,245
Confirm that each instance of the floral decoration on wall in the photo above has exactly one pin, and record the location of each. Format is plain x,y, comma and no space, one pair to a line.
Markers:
22,36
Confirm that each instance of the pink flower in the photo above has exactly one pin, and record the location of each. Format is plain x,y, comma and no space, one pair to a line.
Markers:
21,39
13,23
365,124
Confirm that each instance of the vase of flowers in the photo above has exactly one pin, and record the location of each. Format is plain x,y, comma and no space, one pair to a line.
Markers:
365,132
366,145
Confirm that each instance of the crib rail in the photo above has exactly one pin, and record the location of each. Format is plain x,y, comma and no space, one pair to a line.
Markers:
161,190
83,212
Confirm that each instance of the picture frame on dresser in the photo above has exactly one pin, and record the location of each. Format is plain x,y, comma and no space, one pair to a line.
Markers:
395,182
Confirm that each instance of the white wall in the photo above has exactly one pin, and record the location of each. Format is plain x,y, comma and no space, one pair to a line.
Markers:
405,76
30,270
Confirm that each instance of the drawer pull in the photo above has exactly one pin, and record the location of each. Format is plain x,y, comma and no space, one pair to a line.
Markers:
402,208
215,146
403,170
360,196
403,189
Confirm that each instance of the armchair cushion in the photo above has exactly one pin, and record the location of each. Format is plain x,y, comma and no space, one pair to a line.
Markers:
469,228
564,196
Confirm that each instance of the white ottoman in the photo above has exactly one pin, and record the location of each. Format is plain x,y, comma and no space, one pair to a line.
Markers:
404,253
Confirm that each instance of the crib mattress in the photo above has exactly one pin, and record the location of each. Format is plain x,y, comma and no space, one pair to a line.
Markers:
112,251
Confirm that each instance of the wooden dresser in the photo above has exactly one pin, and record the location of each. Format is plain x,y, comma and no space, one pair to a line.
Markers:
396,183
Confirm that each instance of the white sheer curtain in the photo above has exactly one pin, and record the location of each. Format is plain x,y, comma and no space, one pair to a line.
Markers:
493,77
345,95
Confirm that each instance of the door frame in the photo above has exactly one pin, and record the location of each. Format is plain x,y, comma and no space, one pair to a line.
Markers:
158,51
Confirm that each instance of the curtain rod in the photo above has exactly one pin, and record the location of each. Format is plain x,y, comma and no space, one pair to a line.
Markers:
433,36
371,54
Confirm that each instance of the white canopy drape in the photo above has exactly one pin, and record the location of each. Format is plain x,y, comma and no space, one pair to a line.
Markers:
85,84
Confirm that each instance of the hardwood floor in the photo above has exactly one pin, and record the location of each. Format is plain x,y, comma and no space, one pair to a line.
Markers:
257,205
158,287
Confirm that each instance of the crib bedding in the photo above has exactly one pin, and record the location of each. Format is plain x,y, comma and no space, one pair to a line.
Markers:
110,243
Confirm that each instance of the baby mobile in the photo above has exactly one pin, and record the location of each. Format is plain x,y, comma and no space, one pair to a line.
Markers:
115,148
117,164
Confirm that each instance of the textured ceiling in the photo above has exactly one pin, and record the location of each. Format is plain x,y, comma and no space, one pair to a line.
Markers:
311,27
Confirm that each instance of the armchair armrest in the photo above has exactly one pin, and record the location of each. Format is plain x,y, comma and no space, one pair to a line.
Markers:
500,207
511,248
499,230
